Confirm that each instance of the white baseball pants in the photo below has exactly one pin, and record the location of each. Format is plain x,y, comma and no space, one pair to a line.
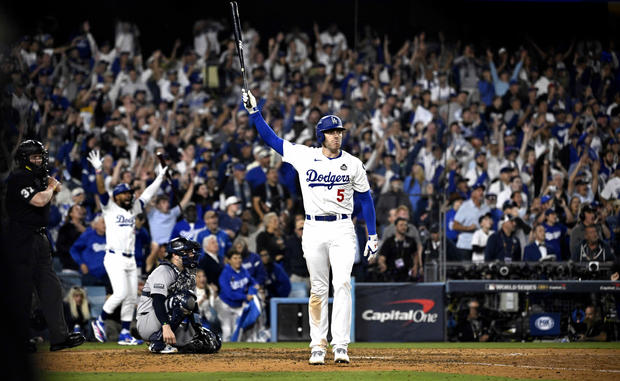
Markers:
329,244
123,274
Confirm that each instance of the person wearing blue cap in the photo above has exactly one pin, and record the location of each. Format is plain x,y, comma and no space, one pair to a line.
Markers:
119,212
555,236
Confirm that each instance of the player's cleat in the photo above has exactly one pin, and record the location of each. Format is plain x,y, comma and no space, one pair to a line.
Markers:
162,348
317,357
341,356
127,339
99,330
73,340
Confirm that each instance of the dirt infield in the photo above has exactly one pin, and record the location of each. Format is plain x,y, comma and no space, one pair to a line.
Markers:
566,364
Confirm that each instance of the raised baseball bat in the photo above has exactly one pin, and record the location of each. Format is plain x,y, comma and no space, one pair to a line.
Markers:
239,41
162,161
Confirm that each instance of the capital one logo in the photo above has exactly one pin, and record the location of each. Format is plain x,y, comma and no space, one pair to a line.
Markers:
415,316
544,323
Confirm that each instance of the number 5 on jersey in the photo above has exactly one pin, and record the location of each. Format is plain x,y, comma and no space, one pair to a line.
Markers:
340,195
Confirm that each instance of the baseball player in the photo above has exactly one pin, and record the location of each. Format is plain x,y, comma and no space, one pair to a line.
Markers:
120,215
168,298
329,177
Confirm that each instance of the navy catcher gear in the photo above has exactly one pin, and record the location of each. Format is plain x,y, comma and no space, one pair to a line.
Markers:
180,306
204,341
183,247
329,122
32,147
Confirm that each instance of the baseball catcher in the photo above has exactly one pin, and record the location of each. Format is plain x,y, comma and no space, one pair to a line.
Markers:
168,304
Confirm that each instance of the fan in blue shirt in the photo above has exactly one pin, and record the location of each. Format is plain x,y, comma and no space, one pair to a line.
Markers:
555,232
190,226
212,221
88,252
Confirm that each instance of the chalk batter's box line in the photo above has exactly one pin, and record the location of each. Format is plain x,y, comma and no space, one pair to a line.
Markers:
537,367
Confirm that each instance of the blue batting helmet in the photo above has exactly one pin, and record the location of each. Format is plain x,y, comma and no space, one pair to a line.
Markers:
121,188
328,122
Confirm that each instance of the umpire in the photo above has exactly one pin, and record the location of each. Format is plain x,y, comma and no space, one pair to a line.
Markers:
29,194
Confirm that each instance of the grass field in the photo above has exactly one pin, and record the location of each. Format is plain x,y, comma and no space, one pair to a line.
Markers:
321,373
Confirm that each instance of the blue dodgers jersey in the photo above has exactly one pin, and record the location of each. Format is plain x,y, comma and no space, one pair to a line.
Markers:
234,285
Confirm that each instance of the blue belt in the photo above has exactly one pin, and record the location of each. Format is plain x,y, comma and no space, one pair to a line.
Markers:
123,254
332,217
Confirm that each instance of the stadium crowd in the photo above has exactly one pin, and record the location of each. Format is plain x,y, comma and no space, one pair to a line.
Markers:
519,148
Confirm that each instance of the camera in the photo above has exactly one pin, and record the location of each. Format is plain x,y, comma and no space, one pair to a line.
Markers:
504,270
593,266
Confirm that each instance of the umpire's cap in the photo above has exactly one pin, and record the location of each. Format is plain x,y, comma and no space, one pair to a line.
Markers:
329,122
121,188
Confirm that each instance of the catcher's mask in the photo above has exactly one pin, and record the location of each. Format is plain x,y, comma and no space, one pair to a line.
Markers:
186,249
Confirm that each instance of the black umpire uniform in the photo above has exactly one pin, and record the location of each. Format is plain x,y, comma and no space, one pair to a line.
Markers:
29,250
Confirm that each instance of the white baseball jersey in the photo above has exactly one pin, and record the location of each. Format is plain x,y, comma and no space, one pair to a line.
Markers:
327,185
119,226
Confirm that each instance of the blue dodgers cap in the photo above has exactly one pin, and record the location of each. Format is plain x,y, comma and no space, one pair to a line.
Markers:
326,123
545,199
239,167
121,188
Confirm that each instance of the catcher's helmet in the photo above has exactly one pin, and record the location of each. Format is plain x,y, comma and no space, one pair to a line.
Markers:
329,122
182,247
32,147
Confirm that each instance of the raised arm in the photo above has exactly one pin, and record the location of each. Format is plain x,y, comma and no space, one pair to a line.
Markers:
265,132
94,158
573,175
149,192
515,73
188,194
